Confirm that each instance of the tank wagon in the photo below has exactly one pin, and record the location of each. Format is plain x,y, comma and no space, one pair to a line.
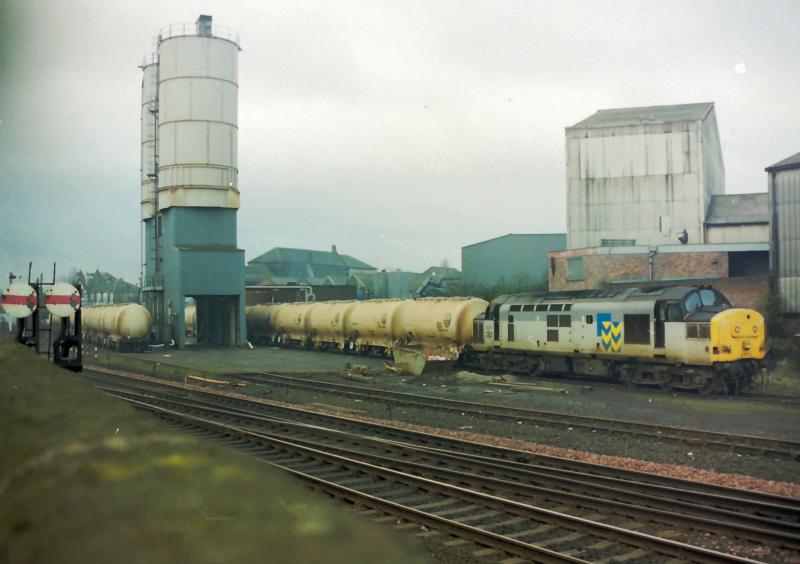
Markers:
439,326
675,337
125,327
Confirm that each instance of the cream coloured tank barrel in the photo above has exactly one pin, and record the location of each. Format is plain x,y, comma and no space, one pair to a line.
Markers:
290,320
440,320
327,319
261,320
197,122
372,322
148,134
123,321
190,319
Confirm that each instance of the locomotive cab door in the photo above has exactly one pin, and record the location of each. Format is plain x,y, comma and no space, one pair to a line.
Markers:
659,316
496,319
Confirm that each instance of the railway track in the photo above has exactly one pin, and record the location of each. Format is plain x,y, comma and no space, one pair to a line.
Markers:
742,444
634,506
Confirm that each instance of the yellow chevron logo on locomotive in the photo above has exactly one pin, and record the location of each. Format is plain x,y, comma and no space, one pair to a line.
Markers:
610,332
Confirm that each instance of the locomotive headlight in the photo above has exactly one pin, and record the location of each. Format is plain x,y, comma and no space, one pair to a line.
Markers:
755,329
746,345
737,329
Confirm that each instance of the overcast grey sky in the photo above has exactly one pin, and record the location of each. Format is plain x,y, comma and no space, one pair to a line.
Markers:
400,131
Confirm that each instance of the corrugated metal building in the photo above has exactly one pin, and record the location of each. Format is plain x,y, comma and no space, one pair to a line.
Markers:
784,212
642,176
510,258
738,218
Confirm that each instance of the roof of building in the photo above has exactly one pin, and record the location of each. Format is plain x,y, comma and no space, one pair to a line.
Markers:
646,115
787,163
98,281
732,209
564,235
306,256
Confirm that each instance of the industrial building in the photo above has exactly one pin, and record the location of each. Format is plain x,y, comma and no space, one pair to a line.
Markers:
281,266
646,204
391,284
739,270
784,214
642,176
101,288
512,257
190,191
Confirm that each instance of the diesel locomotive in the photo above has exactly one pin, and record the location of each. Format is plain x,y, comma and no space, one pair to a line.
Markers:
675,337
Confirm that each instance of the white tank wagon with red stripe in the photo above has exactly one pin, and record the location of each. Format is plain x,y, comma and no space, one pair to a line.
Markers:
19,300
124,327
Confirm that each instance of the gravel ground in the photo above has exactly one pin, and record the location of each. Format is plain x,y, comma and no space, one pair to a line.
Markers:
713,413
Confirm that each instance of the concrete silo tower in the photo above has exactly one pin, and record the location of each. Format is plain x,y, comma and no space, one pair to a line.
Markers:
190,194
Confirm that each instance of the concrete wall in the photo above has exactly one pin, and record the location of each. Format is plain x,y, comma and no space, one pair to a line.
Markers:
747,233
502,259
644,182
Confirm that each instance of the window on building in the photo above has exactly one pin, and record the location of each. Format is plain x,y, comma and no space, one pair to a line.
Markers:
617,242
575,269
636,328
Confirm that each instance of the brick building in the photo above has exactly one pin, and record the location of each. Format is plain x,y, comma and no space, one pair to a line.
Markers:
739,270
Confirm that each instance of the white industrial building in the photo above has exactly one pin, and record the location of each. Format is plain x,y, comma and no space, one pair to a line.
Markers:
784,213
642,176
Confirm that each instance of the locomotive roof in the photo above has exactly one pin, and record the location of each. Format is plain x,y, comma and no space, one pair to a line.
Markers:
615,294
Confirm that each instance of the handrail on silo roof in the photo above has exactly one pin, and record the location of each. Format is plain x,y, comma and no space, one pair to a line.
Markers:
148,60
187,29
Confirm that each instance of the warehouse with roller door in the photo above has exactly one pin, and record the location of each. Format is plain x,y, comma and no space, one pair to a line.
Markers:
784,213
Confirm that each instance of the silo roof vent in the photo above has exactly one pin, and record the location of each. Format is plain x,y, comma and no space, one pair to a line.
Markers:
204,26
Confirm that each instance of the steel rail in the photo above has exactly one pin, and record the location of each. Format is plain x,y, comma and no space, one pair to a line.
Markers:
694,517
556,466
749,444
635,539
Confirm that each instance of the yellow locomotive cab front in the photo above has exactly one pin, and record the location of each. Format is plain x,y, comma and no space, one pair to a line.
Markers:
737,334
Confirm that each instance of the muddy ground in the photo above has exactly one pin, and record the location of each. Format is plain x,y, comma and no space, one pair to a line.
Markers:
715,413
87,478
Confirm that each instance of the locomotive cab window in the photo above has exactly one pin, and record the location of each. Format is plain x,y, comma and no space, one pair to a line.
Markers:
527,308
541,307
698,331
589,319
692,302
673,312
516,308
636,329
